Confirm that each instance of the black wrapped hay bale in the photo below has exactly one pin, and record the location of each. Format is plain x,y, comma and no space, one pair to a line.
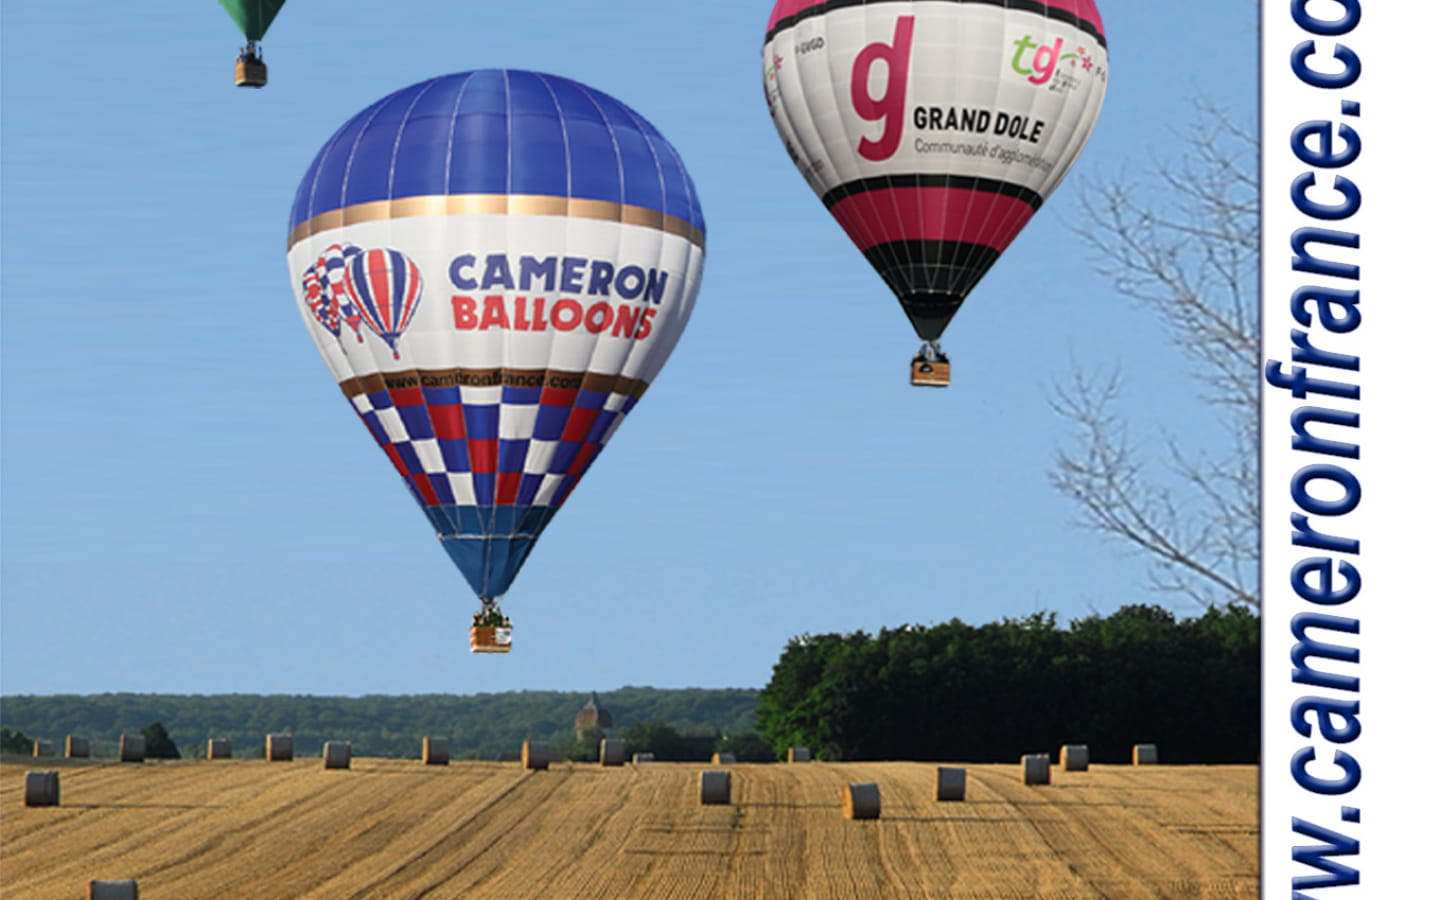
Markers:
42,788
1035,768
132,748
612,752
114,890
1075,757
949,783
714,788
435,751
279,747
861,801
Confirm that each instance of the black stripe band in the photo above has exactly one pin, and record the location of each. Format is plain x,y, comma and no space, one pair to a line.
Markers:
931,278
963,182
914,255
1033,6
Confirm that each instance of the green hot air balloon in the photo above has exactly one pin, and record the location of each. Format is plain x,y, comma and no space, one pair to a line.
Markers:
253,17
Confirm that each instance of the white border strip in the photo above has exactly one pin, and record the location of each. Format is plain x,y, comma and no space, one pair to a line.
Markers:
1348,512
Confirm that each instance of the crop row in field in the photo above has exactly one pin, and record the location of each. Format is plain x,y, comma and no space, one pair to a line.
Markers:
399,829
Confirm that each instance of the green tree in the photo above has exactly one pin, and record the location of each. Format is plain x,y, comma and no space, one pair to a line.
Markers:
798,708
659,738
991,693
747,747
587,746
157,742
481,725
15,742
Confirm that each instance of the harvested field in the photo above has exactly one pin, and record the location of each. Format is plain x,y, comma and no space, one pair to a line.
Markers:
401,829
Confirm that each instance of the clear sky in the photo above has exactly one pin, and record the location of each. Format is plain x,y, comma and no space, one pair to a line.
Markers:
190,507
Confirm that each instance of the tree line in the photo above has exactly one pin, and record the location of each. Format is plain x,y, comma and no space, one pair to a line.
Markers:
994,692
479,726
951,691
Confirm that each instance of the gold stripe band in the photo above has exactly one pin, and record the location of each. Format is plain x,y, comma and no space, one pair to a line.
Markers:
496,205
496,377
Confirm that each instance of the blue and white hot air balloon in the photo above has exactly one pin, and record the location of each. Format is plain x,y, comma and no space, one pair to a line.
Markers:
527,251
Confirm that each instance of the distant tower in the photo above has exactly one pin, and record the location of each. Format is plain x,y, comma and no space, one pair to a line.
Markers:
592,715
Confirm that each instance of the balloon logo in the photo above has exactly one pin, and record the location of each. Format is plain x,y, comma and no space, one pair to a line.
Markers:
320,301
334,265
326,293
933,132
385,284
562,244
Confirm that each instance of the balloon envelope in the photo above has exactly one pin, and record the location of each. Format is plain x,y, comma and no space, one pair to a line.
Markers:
524,252
253,16
933,130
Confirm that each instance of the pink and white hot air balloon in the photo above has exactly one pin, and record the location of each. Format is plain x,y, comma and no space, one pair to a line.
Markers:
933,130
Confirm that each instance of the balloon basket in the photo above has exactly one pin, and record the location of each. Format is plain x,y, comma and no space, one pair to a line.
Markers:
930,372
490,639
249,71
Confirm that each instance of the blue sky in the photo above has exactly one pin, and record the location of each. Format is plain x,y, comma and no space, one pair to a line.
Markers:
189,506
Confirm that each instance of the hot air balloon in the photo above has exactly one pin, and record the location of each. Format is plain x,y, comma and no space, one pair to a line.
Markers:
933,130
253,17
524,252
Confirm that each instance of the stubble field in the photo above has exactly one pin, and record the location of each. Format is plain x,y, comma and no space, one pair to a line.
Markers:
392,829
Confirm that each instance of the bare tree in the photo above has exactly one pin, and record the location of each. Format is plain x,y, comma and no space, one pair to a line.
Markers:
1183,242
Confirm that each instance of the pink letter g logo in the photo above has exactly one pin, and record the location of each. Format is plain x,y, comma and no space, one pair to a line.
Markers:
891,107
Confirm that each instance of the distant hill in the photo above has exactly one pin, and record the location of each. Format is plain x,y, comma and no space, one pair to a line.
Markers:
479,726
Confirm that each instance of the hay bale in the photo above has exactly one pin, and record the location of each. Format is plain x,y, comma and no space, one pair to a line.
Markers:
508,756
1144,755
435,751
279,747
337,754
949,783
612,752
132,748
722,759
535,755
219,748
714,788
114,890
643,758
798,754
76,748
44,748
42,788
860,801
1075,757
1035,768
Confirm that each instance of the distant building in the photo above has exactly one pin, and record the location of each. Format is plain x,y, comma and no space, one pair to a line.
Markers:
592,715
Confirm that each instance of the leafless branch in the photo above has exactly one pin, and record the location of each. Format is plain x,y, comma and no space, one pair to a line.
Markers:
1183,243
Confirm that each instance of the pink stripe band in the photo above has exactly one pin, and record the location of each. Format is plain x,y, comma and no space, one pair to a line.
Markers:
931,214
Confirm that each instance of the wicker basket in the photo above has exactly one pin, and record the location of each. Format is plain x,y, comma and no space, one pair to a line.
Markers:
249,72
490,639
929,373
